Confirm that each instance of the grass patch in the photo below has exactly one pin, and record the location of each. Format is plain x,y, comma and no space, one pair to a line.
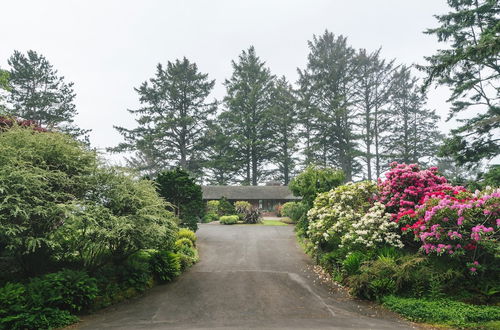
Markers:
273,223
445,312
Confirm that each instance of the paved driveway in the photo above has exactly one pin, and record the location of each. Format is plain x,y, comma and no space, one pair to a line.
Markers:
249,276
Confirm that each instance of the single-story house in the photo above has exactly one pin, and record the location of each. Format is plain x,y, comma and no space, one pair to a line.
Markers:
263,197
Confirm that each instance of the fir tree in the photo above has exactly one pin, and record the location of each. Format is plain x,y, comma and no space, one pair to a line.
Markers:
173,119
470,67
248,102
37,93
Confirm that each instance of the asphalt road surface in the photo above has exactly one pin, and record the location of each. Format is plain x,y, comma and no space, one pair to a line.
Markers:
249,276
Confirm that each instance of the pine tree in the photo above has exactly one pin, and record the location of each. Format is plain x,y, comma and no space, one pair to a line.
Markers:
470,67
283,120
412,135
331,73
248,102
37,93
173,119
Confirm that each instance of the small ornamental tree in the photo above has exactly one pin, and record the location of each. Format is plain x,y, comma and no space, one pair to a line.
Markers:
178,188
225,207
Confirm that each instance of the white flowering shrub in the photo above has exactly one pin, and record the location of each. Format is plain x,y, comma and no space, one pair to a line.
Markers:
347,217
374,228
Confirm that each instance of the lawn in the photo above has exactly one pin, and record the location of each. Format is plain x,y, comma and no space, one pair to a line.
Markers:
273,223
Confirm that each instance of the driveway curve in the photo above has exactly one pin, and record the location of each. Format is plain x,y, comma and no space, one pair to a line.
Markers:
249,276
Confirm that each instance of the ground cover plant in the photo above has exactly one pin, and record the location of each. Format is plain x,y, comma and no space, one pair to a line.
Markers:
76,235
412,235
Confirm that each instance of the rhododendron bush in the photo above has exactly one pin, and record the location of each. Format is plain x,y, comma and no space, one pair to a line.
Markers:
347,217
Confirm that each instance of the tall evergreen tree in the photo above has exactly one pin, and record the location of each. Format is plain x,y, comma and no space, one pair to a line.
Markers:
173,119
283,120
331,72
470,67
372,88
221,157
37,93
412,134
248,102
307,114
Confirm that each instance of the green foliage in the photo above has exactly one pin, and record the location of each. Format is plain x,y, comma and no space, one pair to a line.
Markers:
294,210
41,174
187,256
468,64
443,311
186,233
46,302
248,99
242,207
352,262
229,219
122,216
315,180
212,211
136,272
209,217
183,242
165,265
173,119
225,207
178,188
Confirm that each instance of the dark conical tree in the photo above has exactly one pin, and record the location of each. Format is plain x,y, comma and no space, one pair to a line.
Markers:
37,93
173,119
413,136
283,120
331,73
248,101
470,67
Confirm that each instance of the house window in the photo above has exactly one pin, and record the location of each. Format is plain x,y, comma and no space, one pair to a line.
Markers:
260,204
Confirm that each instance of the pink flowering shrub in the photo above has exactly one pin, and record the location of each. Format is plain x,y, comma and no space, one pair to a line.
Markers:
461,225
406,185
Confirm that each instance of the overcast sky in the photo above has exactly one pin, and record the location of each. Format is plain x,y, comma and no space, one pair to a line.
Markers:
109,47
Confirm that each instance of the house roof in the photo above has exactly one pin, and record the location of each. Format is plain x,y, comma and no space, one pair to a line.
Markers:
248,192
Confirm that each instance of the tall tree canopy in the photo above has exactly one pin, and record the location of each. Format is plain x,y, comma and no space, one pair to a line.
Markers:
37,93
470,67
283,120
331,74
173,118
412,129
372,96
248,101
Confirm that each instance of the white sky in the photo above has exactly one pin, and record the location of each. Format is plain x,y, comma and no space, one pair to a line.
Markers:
109,47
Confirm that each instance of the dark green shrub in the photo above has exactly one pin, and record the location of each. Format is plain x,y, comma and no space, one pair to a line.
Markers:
66,290
186,233
181,242
137,272
225,207
165,265
38,318
229,219
178,188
